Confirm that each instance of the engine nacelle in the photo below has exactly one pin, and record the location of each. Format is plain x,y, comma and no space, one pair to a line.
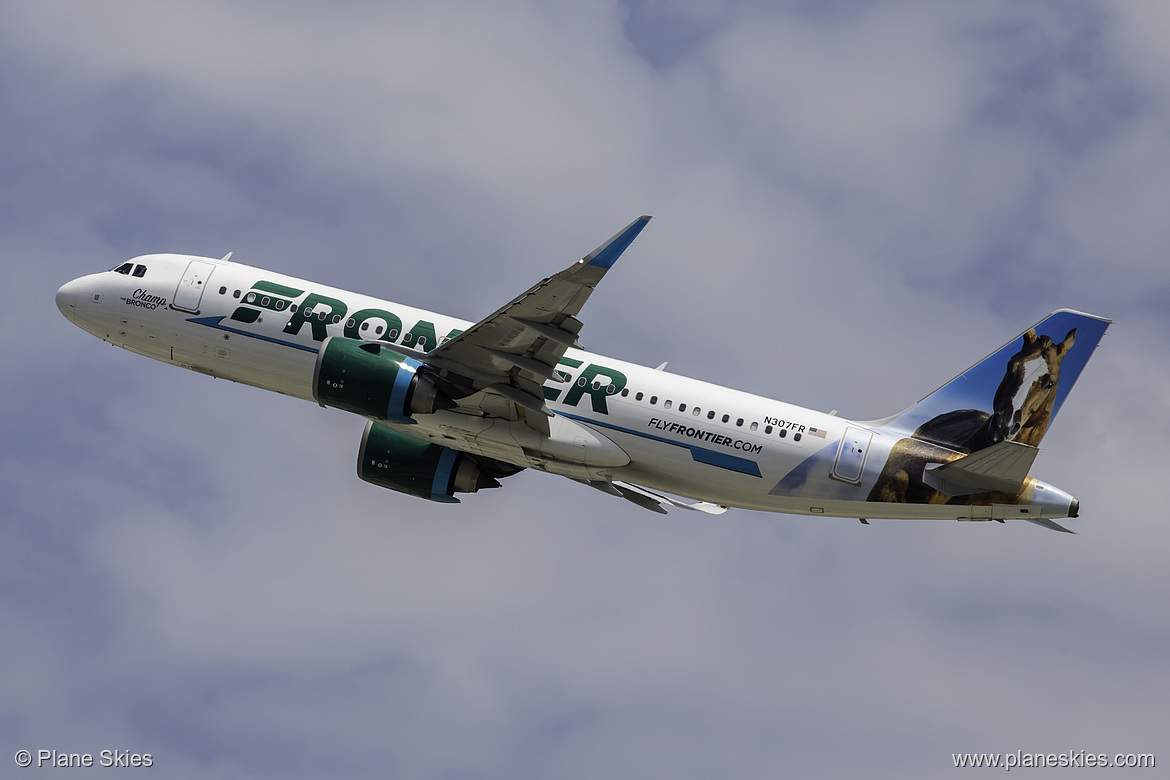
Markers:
373,380
394,460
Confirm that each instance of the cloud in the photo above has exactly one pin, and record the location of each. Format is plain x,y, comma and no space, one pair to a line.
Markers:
852,204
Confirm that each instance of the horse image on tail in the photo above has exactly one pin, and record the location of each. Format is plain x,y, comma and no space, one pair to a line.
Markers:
1021,410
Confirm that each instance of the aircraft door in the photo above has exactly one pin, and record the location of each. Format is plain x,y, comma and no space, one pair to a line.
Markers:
851,455
190,290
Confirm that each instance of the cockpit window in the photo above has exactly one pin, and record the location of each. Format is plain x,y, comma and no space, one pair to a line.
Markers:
140,270
123,269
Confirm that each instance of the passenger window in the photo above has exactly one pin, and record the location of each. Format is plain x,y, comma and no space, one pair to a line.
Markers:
393,333
323,314
783,432
625,392
711,415
236,294
265,301
696,411
726,417
223,291
638,397
422,342
653,400
279,305
666,404
767,429
336,318
796,437
682,407
124,269
739,422
755,425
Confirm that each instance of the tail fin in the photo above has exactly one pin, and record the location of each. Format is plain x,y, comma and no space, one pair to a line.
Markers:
1011,395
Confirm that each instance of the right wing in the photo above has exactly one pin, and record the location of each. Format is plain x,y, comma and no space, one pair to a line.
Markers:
514,351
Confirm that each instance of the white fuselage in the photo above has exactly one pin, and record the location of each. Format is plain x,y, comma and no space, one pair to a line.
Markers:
681,435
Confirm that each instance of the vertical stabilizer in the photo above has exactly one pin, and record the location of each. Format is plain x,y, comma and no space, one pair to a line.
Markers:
1011,395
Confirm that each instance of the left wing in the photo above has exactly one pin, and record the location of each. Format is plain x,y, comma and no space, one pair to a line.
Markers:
648,499
515,350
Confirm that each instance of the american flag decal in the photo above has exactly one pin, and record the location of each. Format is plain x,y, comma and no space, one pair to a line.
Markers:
818,432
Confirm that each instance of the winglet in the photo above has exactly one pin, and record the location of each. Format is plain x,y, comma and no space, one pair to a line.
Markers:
607,254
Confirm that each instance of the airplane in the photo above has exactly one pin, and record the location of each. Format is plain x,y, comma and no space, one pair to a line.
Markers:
454,406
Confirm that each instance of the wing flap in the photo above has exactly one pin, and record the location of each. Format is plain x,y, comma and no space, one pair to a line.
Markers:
561,334
521,398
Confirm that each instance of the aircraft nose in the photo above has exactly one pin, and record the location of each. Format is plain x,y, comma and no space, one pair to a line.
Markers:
67,300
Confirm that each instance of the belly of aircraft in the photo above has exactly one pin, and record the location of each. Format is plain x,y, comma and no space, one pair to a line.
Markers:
224,355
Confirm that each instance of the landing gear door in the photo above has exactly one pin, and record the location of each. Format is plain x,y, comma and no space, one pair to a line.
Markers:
851,455
190,289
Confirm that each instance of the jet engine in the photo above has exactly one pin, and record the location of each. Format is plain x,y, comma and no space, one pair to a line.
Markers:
373,380
394,460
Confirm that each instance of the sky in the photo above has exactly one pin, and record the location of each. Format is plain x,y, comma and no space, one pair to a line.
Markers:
852,202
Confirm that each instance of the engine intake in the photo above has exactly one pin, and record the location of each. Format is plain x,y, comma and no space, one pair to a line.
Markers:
370,379
399,462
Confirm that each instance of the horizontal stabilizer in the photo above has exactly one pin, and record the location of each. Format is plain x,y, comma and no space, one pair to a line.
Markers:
1001,468
1046,523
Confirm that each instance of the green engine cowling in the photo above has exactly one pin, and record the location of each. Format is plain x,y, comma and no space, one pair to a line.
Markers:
394,460
371,379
